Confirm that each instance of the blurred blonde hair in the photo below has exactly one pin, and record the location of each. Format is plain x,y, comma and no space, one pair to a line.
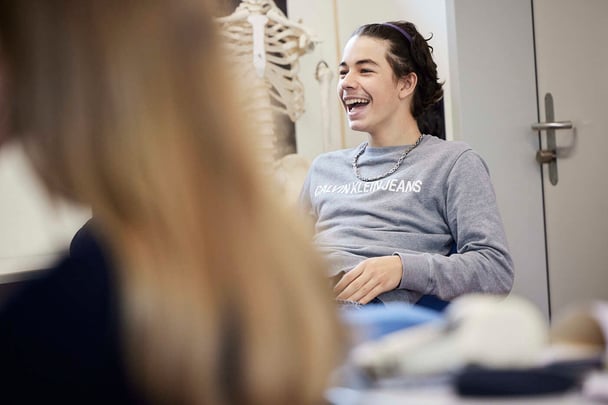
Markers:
124,105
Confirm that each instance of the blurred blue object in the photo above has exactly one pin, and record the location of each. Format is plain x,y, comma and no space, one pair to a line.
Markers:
432,302
371,322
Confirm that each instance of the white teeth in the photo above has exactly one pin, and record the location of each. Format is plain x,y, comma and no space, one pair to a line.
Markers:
352,101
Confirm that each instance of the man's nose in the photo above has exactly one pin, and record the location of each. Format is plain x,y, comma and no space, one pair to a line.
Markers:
348,81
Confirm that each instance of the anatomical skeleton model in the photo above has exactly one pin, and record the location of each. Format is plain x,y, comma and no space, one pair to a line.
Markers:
264,48
324,76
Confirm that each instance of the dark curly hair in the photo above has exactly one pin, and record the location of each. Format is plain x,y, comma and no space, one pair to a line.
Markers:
405,57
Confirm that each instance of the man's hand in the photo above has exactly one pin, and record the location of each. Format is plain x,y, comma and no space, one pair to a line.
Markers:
369,279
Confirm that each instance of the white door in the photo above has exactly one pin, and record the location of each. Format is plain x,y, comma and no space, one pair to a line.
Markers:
491,46
572,65
498,46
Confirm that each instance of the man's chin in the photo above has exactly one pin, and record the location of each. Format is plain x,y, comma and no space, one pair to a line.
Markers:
357,126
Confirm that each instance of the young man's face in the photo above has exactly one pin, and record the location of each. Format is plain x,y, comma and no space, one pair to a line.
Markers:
367,86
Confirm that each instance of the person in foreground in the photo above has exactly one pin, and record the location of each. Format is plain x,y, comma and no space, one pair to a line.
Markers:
389,212
196,287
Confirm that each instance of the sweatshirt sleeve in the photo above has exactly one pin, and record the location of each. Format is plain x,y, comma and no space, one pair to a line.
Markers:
482,262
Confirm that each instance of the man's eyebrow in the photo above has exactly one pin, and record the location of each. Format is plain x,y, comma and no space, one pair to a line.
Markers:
360,62
366,62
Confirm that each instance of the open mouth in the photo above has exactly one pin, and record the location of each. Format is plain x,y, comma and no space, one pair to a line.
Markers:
353,103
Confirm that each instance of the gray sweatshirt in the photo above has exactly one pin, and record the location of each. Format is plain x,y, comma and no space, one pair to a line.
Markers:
440,200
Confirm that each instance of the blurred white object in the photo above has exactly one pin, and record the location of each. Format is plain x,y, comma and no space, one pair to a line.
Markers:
498,332
595,386
480,329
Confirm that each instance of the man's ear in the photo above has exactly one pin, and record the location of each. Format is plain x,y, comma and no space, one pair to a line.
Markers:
407,84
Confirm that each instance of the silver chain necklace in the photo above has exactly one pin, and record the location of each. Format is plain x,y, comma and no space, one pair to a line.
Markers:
388,173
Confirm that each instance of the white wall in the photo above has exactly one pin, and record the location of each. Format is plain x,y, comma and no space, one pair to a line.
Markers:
33,229
319,17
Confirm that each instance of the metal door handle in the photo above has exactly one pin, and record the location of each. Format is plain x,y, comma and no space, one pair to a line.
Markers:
545,156
549,155
542,126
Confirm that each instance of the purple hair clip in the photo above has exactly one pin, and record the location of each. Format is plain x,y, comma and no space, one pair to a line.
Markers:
402,31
